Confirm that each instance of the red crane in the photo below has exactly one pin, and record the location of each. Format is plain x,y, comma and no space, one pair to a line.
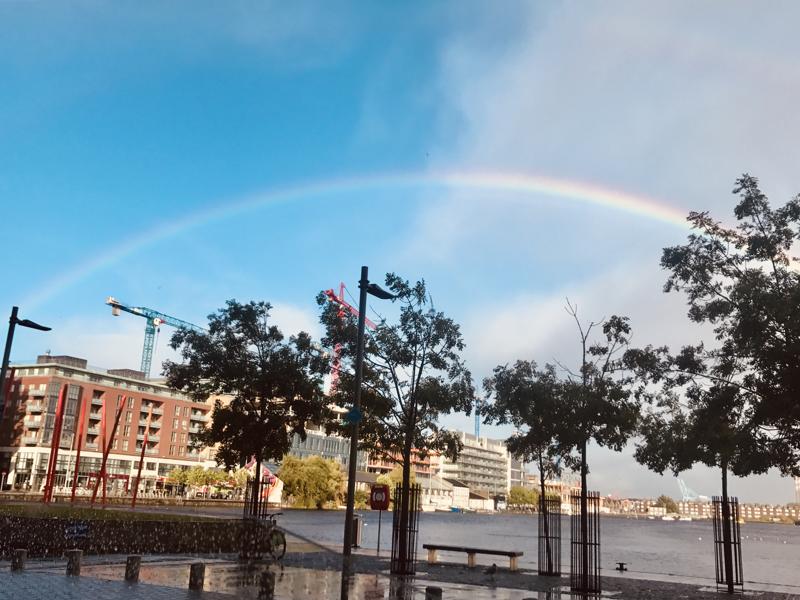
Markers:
344,307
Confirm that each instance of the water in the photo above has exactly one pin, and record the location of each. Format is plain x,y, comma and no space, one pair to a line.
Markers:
652,548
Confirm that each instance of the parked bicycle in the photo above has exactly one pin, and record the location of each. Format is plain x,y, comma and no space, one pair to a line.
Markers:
261,537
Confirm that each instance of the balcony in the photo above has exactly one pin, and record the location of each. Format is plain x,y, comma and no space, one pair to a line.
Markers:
35,407
158,411
93,431
97,402
29,439
199,417
36,393
155,424
90,446
195,429
151,451
153,438
96,416
33,423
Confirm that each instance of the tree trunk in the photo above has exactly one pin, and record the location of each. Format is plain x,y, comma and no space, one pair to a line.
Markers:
584,522
726,530
256,498
402,539
543,504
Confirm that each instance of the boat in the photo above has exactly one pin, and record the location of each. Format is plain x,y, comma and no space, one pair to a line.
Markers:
668,518
684,518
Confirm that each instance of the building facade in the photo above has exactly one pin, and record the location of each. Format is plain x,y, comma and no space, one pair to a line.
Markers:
153,417
483,465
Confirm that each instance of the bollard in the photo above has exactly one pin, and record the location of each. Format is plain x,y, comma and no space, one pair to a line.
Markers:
74,561
132,567
18,559
197,573
266,586
433,593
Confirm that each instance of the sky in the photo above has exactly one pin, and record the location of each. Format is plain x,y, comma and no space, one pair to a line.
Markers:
512,154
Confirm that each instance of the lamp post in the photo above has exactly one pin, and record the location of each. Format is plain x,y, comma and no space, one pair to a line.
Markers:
13,321
365,288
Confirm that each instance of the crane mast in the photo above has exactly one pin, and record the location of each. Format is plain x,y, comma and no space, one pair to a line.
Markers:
154,320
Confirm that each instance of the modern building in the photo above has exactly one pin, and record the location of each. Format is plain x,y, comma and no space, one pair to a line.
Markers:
424,466
483,465
152,415
797,490
318,443
516,473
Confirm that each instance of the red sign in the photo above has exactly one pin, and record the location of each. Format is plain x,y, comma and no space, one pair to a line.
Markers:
379,497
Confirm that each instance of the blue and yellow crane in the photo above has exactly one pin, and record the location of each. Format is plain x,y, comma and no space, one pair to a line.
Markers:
155,320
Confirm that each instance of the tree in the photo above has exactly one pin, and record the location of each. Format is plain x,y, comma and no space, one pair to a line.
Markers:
394,477
598,401
178,476
311,482
275,385
520,496
743,281
412,375
667,504
532,401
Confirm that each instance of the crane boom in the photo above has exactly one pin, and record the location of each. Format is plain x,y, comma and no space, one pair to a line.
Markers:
154,320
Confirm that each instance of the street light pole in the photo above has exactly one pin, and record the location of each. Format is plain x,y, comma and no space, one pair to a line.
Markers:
13,321
363,284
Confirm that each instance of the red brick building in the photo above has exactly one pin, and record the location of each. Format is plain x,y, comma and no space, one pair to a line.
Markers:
169,418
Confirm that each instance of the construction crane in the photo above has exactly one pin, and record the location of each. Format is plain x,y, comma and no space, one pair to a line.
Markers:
155,320
344,307
688,494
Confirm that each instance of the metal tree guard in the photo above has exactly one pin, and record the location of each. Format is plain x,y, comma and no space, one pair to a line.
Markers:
405,565
549,536
727,544
585,552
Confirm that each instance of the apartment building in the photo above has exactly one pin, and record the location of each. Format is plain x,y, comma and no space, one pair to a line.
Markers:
483,465
152,415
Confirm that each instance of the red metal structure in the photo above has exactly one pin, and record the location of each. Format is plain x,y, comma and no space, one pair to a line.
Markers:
55,441
78,450
107,450
141,459
344,307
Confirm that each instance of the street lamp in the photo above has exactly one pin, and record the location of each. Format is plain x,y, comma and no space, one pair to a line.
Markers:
355,413
12,323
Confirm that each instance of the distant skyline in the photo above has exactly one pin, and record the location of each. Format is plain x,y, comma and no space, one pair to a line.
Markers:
515,154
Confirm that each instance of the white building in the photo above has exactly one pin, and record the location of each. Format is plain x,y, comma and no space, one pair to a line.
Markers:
483,464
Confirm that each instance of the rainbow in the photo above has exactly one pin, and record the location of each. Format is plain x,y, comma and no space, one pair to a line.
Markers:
516,183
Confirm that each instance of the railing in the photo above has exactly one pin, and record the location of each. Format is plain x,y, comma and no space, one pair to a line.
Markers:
95,415
97,401
404,536
153,438
585,545
727,544
36,393
549,536
93,431
33,423
158,411
151,452
29,439
199,417
35,407
155,424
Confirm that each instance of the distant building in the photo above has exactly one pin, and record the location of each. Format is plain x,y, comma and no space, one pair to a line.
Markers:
170,419
516,473
797,490
335,447
483,465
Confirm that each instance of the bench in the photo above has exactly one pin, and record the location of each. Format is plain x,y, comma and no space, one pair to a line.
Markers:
433,549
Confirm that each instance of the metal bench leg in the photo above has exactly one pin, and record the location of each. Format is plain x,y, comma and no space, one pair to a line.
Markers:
513,563
432,556
471,560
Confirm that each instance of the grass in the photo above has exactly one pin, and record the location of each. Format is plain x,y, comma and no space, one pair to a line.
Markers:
36,510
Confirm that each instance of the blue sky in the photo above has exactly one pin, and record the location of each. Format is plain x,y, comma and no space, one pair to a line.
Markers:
120,121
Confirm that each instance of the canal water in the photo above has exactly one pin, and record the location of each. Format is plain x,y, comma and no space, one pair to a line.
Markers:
653,549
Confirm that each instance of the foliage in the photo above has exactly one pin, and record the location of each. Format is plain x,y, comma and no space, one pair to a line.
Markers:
240,477
361,500
667,503
41,511
395,476
178,476
522,496
412,374
275,385
743,281
312,482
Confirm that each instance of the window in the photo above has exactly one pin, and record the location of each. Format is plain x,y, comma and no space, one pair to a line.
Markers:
174,423
172,450
183,438
128,416
126,432
150,466
177,411
116,444
125,445
130,402
173,436
184,424
185,411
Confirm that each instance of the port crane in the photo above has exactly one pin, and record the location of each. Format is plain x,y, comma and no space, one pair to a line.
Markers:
155,320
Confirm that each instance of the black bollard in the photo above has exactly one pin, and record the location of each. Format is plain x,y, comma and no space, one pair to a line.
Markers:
197,574
266,586
74,561
132,566
18,559
433,593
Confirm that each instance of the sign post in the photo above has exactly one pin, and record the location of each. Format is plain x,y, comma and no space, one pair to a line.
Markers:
379,500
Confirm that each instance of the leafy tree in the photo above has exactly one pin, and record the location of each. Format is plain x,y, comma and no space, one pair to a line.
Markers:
240,477
178,476
667,503
743,281
362,499
275,384
521,496
393,477
311,482
412,375
531,400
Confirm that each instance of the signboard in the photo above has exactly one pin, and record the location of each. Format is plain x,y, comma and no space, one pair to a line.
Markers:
379,497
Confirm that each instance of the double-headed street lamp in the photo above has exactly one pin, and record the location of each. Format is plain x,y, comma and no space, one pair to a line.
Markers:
12,323
355,413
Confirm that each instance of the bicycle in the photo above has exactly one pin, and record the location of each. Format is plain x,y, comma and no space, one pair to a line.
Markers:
262,536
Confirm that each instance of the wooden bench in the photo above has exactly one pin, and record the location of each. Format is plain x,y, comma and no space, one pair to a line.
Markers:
433,549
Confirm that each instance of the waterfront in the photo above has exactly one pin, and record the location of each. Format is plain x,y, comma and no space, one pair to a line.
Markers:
654,549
